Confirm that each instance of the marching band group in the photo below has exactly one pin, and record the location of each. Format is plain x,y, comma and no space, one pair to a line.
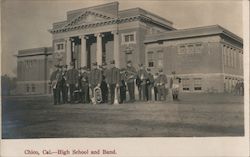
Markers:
109,85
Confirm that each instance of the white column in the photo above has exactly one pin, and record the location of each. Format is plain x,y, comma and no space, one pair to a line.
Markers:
99,48
68,52
116,48
83,51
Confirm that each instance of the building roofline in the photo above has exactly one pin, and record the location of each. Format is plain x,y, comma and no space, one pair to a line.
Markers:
34,51
149,12
92,7
192,32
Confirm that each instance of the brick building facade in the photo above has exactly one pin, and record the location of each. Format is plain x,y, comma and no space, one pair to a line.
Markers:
34,67
207,58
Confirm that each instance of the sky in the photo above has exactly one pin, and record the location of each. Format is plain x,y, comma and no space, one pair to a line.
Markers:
25,23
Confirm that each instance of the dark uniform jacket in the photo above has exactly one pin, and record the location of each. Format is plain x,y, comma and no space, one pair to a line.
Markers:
162,79
150,79
83,80
113,76
56,78
95,77
143,75
130,74
72,76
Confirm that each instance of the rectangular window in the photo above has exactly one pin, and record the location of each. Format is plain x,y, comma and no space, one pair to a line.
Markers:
190,49
182,49
185,84
151,63
27,88
60,46
33,88
150,59
198,48
160,58
128,38
197,84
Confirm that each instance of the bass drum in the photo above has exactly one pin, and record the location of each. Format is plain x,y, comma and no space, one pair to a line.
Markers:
98,95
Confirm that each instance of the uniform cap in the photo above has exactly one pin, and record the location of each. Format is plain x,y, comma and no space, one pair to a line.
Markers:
95,63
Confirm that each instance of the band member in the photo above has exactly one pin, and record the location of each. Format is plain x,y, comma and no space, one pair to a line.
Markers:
113,79
95,77
155,86
88,94
64,85
130,80
122,86
84,85
104,86
72,81
162,85
174,85
55,79
149,85
143,76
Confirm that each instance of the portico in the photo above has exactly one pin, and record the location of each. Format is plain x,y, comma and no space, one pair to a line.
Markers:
88,48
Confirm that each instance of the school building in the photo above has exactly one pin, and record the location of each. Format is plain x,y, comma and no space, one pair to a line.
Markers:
208,59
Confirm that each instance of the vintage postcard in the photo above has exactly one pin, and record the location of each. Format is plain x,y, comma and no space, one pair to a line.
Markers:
124,78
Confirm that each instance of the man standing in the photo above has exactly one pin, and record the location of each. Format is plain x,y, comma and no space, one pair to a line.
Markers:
84,85
72,81
174,85
149,85
95,78
130,80
64,85
161,85
155,86
55,82
122,86
104,86
113,79
143,76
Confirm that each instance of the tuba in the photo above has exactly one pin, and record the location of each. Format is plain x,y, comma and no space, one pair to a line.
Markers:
97,96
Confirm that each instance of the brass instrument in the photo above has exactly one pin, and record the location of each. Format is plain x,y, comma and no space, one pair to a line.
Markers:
97,95
116,102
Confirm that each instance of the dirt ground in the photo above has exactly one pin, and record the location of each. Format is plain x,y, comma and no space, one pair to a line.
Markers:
195,115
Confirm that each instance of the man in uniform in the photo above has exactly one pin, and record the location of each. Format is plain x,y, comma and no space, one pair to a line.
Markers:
72,81
143,76
130,80
113,79
161,85
55,82
84,85
64,85
155,86
95,77
122,86
174,85
149,85
104,86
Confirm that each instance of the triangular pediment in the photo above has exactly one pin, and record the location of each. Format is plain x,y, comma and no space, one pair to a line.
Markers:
87,17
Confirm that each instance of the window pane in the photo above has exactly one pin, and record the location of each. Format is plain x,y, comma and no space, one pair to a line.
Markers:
126,38
132,37
150,64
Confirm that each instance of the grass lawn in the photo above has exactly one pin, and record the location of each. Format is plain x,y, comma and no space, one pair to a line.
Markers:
199,115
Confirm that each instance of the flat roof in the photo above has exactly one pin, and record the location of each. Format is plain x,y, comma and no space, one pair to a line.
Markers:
34,51
191,33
